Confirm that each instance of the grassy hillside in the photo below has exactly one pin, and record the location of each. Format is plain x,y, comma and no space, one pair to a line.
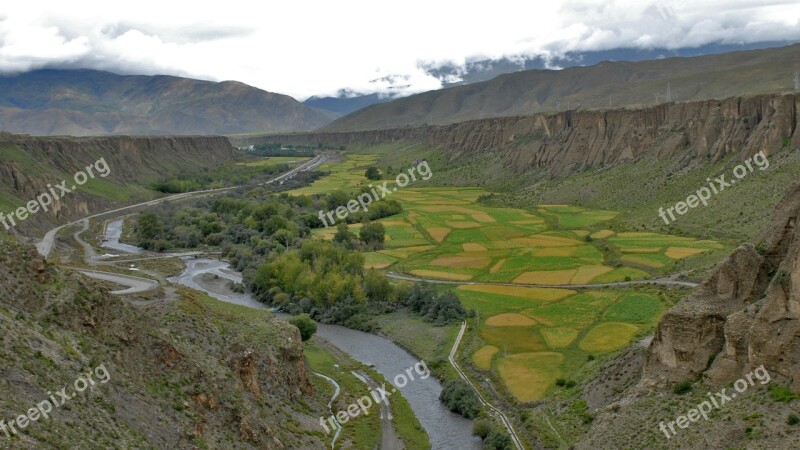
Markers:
599,86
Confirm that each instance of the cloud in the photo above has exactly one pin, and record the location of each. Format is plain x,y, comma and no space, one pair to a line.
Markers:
322,47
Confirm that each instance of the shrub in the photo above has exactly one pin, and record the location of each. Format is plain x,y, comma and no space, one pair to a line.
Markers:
793,419
482,428
498,439
781,393
458,397
305,324
682,388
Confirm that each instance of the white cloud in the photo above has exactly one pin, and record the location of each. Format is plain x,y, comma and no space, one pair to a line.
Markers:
319,47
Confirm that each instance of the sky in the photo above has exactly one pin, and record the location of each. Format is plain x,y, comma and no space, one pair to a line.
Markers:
303,48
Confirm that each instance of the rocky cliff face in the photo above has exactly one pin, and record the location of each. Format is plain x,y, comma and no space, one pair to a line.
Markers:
566,142
745,315
30,163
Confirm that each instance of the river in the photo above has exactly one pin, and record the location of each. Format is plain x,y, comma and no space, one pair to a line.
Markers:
445,429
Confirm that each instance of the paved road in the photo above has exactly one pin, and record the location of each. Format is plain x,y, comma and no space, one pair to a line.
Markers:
503,418
661,281
45,246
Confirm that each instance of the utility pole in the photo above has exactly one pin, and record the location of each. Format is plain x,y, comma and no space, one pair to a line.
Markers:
669,94
796,80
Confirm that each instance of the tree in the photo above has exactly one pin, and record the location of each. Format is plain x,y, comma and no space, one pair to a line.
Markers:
373,234
149,228
305,324
377,286
372,173
343,235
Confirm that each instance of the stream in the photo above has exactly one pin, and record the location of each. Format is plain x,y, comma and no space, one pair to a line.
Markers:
445,429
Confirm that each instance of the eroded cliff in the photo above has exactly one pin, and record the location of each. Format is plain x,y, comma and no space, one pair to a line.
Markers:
569,141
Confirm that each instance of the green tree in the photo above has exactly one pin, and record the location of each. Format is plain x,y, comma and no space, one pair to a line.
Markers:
377,286
149,228
498,439
305,324
372,173
373,234
343,235
458,397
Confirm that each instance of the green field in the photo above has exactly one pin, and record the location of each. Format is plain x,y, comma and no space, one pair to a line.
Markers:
275,160
527,337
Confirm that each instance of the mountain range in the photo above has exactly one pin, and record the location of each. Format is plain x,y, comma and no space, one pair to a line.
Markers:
90,102
597,86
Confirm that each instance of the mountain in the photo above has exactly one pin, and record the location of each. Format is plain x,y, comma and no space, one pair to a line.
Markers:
344,104
477,70
89,102
615,83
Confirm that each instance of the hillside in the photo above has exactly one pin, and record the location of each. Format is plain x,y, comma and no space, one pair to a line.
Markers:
740,324
597,86
185,371
90,102
29,164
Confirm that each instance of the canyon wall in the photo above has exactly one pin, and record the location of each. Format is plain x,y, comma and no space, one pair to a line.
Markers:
28,164
569,141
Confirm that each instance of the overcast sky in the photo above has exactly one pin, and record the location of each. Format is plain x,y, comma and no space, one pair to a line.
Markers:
304,48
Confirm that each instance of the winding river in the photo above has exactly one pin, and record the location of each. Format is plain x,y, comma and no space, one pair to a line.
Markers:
445,429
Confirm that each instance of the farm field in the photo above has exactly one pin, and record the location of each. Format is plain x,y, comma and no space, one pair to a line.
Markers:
275,160
530,337
527,337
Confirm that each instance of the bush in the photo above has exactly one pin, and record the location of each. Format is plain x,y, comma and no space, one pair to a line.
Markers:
482,428
793,419
372,173
458,397
498,439
781,393
305,324
682,388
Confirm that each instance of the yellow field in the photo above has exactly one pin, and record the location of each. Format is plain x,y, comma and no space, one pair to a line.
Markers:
483,357
499,265
556,251
441,275
558,337
473,247
585,274
682,252
608,337
438,233
510,320
405,252
550,277
602,234
541,240
529,375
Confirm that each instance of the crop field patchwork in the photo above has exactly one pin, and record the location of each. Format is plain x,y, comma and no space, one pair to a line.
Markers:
528,336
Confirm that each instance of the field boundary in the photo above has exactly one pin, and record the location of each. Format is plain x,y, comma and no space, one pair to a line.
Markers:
461,373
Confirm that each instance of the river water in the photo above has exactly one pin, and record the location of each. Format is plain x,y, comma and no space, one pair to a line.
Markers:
113,234
445,429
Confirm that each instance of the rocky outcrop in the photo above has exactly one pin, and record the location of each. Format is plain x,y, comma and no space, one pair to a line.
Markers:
745,315
569,141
